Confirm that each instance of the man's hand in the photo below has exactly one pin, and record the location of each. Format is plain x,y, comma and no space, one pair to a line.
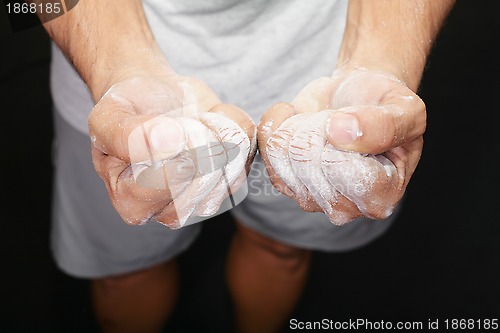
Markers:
165,145
346,145
168,149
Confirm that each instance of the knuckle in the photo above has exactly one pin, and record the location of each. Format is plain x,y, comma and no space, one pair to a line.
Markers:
340,217
93,119
392,133
381,206
421,115
307,207
377,212
389,133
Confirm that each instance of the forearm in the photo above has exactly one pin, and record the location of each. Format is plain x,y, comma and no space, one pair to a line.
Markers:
392,35
107,41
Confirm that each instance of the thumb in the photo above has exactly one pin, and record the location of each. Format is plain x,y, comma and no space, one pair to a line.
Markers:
158,138
372,129
116,130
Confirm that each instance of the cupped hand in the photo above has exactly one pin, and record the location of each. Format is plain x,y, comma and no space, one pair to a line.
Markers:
347,145
168,149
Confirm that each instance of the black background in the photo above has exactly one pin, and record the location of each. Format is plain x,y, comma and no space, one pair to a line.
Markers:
440,260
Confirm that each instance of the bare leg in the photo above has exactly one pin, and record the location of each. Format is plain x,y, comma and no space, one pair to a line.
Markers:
138,302
266,279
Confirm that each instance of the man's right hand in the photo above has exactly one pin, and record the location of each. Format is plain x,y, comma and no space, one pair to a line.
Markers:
168,149
153,131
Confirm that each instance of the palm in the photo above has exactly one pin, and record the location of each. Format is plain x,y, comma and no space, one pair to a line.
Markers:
305,163
154,141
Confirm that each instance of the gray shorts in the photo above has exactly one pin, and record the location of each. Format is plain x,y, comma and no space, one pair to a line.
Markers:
90,240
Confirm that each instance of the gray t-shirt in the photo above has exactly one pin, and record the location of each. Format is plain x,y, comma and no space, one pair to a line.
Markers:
252,53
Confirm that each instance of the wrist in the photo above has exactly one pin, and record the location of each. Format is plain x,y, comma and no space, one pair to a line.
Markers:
408,76
108,41
392,36
365,52
110,70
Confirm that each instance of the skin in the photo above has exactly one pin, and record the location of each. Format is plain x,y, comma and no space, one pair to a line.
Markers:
109,50
375,110
379,196
170,112
132,83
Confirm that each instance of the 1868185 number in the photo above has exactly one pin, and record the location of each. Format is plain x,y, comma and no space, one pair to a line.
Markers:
32,8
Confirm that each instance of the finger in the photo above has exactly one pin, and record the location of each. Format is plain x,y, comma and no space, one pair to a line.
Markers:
239,117
270,122
406,159
305,151
372,183
343,210
235,130
245,122
388,115
236,148
135,203
215,159
374,129
306,147
223,190
278,154
117,131
206,178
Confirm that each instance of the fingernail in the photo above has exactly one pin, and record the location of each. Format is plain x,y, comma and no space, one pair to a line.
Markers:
344,128
166,137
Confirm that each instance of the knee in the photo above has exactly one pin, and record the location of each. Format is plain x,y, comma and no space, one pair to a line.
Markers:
118,283
272,251
132,281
